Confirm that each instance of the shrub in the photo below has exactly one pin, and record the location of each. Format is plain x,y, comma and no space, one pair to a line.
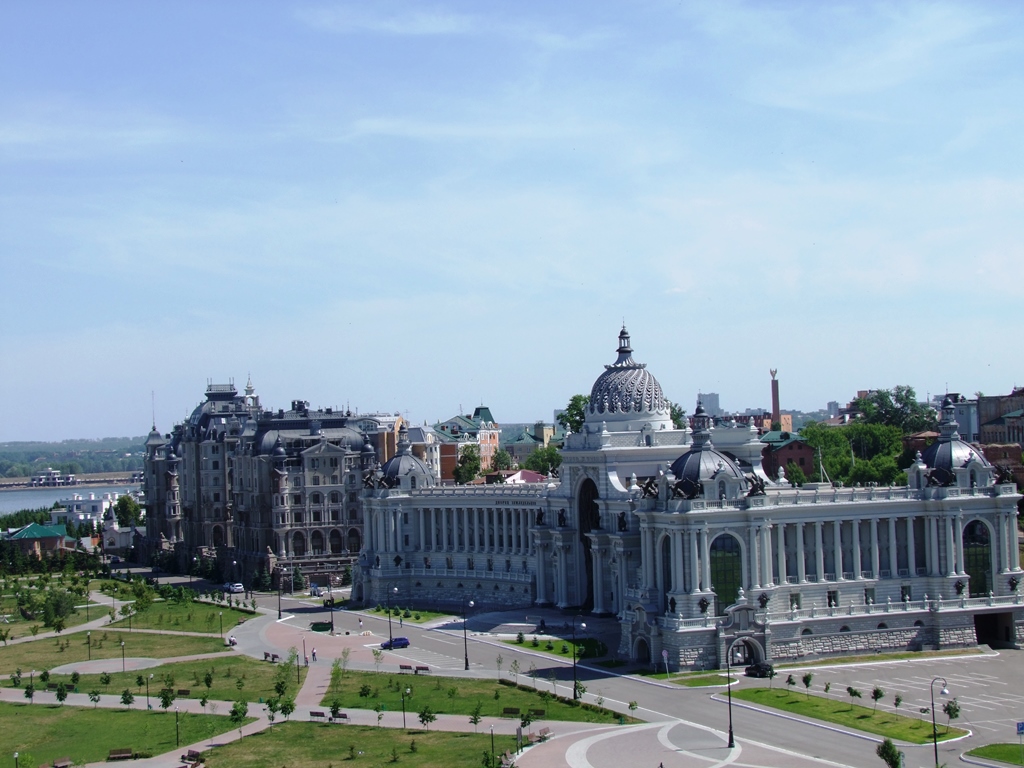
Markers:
520,638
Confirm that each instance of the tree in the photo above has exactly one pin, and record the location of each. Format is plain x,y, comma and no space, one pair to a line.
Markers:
105,680
166,698
239,711
127,511
378,657
502,460
790,681
62,692
427,716
889,753
345,653
794,474
853,693
525,720
127,697
677,414
59,604
514,669
468,465
287,707
30,692
575,413
896,702
877,694
476,715
952,711
806,679
94,697
273,706
896,407
335,708
498,661
771,676
543,460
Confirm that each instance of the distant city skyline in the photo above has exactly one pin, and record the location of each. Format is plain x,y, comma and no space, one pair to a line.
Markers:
402,207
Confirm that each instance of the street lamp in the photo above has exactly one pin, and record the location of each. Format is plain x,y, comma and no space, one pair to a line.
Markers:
728,688
15,760
280,579
221,614
191,570
935,732
147,689
575,688
405,693
177,730
122,656
391,589
88,642
492,745
465,641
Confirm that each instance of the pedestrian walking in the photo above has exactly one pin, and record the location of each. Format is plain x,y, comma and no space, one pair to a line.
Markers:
314,654
400,622
360,625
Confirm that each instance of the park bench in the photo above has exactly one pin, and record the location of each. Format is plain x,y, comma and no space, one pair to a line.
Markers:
184,691
62,762
192,756
544,733
422,669
537,712
51,686
271,657
511,711
341,718
120,754
532,738
405,667
317,716
508,759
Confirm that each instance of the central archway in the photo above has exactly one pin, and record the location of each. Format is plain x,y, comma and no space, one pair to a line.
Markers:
726,571
589,516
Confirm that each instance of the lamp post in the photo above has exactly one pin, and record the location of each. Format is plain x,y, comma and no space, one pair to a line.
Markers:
191,570
465,640
405,693
391,589
88,643
122,656
728,688
15,760
280,580
147,689
221,614
575,689
492,745
935,733
177,730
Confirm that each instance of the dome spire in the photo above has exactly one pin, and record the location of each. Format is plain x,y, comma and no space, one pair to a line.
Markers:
625,358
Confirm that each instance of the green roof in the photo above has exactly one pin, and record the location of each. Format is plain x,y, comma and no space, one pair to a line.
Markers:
37,531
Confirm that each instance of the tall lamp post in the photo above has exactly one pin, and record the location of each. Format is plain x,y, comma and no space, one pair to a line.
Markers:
221,614
177,731
15,760
147,689
575,687
390,590
465,639
280,580
728,688
935,732
492,745
122,657
405,693
88,643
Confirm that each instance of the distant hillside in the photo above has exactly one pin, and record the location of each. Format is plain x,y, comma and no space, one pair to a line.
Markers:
109,454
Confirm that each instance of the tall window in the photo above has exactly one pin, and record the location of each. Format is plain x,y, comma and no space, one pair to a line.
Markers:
978,557
726,571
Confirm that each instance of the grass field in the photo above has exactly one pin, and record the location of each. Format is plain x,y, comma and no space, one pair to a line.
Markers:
874,657
179,617
415,616
456,695
1004,753
40,734
258,678
313,745
590,648
20,627
702,681
882,722
106,644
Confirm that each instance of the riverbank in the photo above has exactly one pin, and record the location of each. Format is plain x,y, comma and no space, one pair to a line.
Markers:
99,478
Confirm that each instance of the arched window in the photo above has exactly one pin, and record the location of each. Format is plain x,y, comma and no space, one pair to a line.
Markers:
726,571
883,625
978,557
844,628
807,632
316,498
335,497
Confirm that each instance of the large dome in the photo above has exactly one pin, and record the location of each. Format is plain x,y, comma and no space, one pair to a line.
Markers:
626,390
949,452
702,462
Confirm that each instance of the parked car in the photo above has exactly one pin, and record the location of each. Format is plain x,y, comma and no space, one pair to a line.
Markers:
229,587
760,669
398,642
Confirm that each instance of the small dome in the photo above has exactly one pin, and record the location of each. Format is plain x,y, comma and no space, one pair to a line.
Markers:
949,452
404,465
626,389
702,462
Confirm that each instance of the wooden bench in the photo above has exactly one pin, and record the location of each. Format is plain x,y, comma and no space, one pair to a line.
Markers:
317,716
341,718
120,754
62,762
51,686
422,669
405,667
184,691
511,711
532,738
192,756
544,733
537,712
508,759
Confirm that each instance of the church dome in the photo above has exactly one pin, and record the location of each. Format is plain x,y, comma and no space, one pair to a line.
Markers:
626,390
702,463
949,452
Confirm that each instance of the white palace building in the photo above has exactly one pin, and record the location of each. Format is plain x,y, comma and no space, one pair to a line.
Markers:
682,536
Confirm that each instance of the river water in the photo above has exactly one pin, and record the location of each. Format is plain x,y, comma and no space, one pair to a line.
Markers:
34,498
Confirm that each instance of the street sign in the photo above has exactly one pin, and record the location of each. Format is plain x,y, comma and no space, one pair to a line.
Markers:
1020,729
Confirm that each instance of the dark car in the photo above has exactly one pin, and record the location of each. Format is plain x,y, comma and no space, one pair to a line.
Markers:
398,642
760,669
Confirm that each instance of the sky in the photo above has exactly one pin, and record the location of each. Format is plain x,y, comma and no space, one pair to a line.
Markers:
422,207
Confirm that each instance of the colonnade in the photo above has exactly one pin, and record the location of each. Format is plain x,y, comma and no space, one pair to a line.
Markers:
473,530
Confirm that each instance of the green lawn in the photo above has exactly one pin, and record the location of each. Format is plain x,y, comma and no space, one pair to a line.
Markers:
106,644
42,733
871,658
456,695
590,648
701,681
882,722
1004,753
179,617
315,745
258,678
415,616
20,627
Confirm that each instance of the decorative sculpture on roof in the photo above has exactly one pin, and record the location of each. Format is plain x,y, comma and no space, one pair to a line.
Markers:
687,489
649,488
756,485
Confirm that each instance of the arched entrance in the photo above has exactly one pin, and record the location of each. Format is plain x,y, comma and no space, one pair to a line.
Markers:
218,536
316,540
589,516
726,571
978,557
298,545
335,539
642,651
744,652
353,539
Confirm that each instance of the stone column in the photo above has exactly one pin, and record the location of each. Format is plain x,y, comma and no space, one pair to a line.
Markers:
678,568
705,558
780,551
876,566
894,562
1014,550
911,548
754,579
819,552
563,576
837,548
542,573
801,565
857,566
598,554
765,535
950,561
959,538
422,529
694,562
933,548
509,542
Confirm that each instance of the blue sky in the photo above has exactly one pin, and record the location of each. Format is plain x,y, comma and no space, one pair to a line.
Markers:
416,206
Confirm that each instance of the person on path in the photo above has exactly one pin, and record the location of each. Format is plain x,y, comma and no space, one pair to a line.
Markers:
360,625
314,654
400,622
